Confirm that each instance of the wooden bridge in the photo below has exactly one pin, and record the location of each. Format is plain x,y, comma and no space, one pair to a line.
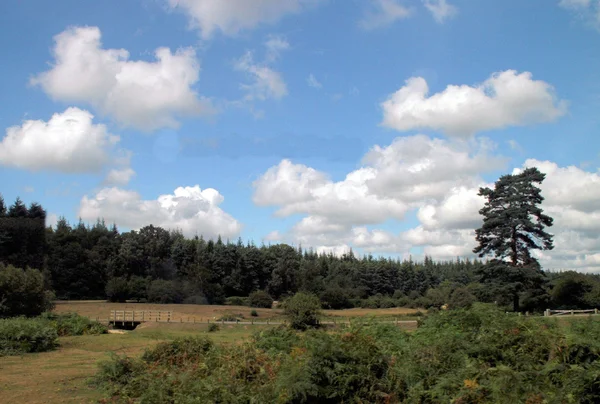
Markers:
549,312
133,318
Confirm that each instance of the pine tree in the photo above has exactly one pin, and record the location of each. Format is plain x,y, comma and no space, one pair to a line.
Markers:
513,226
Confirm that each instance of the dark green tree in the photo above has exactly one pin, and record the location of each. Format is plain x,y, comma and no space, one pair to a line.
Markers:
513,226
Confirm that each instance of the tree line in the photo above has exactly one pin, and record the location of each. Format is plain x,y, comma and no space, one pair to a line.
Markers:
157,265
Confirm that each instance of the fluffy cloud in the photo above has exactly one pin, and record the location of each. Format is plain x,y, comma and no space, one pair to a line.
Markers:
232,16
441,10
383,13
439,181
300,189
189,209
139,94
69,142
120,176
415,168
505,99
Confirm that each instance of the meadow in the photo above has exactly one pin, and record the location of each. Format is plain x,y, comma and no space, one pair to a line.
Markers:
62,375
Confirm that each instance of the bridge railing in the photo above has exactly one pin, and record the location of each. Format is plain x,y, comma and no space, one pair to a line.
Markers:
549,312
139,316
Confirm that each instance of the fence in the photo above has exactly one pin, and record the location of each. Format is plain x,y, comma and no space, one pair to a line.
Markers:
549,312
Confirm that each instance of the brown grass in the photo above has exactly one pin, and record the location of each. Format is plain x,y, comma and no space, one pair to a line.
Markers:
395,311
201,313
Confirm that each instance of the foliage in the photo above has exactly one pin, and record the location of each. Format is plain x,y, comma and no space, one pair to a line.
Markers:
212,327
253,313
260,299
22,292
238,301
508,231
21,335
117,289
162,291
302,311
461,356
73,324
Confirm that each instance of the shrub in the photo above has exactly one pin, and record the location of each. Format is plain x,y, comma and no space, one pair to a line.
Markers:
74,324
260,299
117,289
22,335
335,298
179,351
163,292
254,313
276,340
195,299
237,301
212,327
22,292
303,311
137,288
231,316
461,298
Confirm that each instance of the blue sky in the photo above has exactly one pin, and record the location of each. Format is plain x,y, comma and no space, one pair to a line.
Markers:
363,123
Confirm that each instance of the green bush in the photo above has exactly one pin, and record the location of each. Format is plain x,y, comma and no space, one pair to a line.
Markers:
260,299
164,292
303,310
237,301
335,298
212,327
74,324
477,355
117,289
23,335
22,292
195,299
254,313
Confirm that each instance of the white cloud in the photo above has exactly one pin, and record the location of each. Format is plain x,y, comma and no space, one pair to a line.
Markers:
313,82
120,176
439,181
415,168
383,13
300,189
69,142
586,10
138,94
275,45
441,10
189,209
28,189
51,219
505,99
233,16
266,82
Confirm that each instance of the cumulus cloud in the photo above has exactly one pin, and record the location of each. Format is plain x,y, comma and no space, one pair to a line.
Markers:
439,181
441,10
119,176
383,13
233,16
189,209
505,99
417,167
139,94
300,189
68,142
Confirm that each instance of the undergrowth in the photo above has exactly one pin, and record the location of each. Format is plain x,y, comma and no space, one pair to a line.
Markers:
479,355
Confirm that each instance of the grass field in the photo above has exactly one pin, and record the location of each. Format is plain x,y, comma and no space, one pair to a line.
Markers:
62,376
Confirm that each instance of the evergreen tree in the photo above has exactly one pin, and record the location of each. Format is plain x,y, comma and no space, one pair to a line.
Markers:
513,225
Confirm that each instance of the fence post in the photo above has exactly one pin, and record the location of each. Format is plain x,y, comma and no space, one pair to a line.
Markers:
572,312
595,311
